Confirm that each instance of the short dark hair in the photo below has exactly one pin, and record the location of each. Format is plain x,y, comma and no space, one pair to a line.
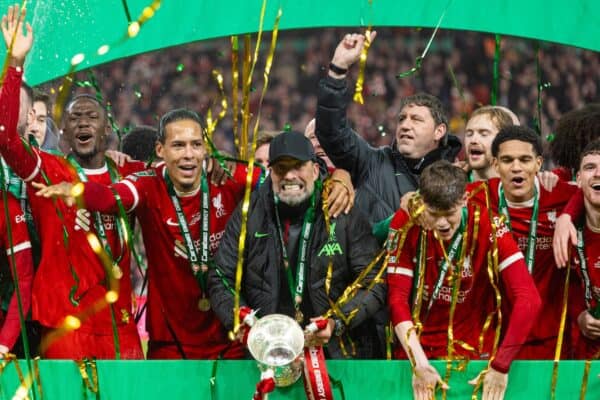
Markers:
177,114
497,115
39,95
520,133
139,142
442,185
431,102
573,132
592,148
85,96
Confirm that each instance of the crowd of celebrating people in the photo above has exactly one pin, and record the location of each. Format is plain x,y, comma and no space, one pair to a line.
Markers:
458,244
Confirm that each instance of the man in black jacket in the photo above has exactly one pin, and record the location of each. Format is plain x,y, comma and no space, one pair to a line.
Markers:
291,250
381,176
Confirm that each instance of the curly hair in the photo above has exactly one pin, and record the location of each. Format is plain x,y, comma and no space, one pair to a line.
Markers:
574,131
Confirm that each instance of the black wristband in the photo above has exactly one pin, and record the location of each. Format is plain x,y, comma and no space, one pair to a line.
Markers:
337,70
339,327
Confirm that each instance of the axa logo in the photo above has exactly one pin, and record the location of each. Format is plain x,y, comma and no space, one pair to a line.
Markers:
332,247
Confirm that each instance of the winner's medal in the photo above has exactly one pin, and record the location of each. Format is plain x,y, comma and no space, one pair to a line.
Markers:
204,304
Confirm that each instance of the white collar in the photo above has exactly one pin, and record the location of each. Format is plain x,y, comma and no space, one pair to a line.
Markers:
96,171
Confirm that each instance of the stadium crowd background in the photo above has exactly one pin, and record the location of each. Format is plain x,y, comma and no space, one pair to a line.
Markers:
458,69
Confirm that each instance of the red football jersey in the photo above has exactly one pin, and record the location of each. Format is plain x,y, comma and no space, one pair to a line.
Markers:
587,348
475,298
173,292
548,279
21,248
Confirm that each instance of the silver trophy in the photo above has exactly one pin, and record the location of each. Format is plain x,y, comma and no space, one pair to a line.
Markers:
277,343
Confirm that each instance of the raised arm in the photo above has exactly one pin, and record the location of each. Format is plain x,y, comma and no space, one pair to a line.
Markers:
345,148
25,163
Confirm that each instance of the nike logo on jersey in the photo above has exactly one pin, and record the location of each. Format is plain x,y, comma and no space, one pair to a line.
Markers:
260,235
170,222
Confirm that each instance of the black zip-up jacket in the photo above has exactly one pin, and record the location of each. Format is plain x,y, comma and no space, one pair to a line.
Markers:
263,270
381,176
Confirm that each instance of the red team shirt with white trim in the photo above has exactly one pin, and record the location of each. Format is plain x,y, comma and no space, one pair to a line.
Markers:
587,348
475,300
62,264
548,279
21,248
173,292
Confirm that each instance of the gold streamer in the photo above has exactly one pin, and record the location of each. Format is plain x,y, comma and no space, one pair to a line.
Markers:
360,80
325,208
235,80
36,372
247,67
211,124
561,333
83,365
586,375
250,174
12,43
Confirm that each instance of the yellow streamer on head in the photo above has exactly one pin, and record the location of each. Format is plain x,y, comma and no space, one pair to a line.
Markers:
250,174
358,95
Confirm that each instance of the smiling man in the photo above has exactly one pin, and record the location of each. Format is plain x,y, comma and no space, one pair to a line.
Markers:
439,285
70,281
182,216
383,175
530,212
288,251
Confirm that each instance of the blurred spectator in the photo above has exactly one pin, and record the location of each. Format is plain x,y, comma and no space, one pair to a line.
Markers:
147,85
42,130
139,143
263,143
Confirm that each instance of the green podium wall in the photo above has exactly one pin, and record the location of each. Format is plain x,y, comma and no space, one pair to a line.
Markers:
371,380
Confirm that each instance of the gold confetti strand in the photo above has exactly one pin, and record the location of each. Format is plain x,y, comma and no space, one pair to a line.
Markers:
561,334
325,208
38,380
243,148
235,81
360,80
91,385
211,124
586,374
245,109
12,43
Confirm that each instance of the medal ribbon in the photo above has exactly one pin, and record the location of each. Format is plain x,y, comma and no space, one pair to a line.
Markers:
297,287
532,237
184,228
114,177
455,248
587,284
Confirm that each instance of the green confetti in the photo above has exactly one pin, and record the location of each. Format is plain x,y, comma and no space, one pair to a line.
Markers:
253,89
138,94
550,137
83,83
180,67
287,127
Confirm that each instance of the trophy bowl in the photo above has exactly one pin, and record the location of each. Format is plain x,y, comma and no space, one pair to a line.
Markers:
277,342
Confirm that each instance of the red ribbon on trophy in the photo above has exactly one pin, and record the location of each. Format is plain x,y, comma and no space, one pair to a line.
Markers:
266,385
316,379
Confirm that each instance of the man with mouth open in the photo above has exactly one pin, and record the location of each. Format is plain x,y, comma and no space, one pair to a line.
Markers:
439,288
70,288
381,176
297,261
530,212
481,129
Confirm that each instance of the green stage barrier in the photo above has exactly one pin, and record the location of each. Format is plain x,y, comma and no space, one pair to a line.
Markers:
528,380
